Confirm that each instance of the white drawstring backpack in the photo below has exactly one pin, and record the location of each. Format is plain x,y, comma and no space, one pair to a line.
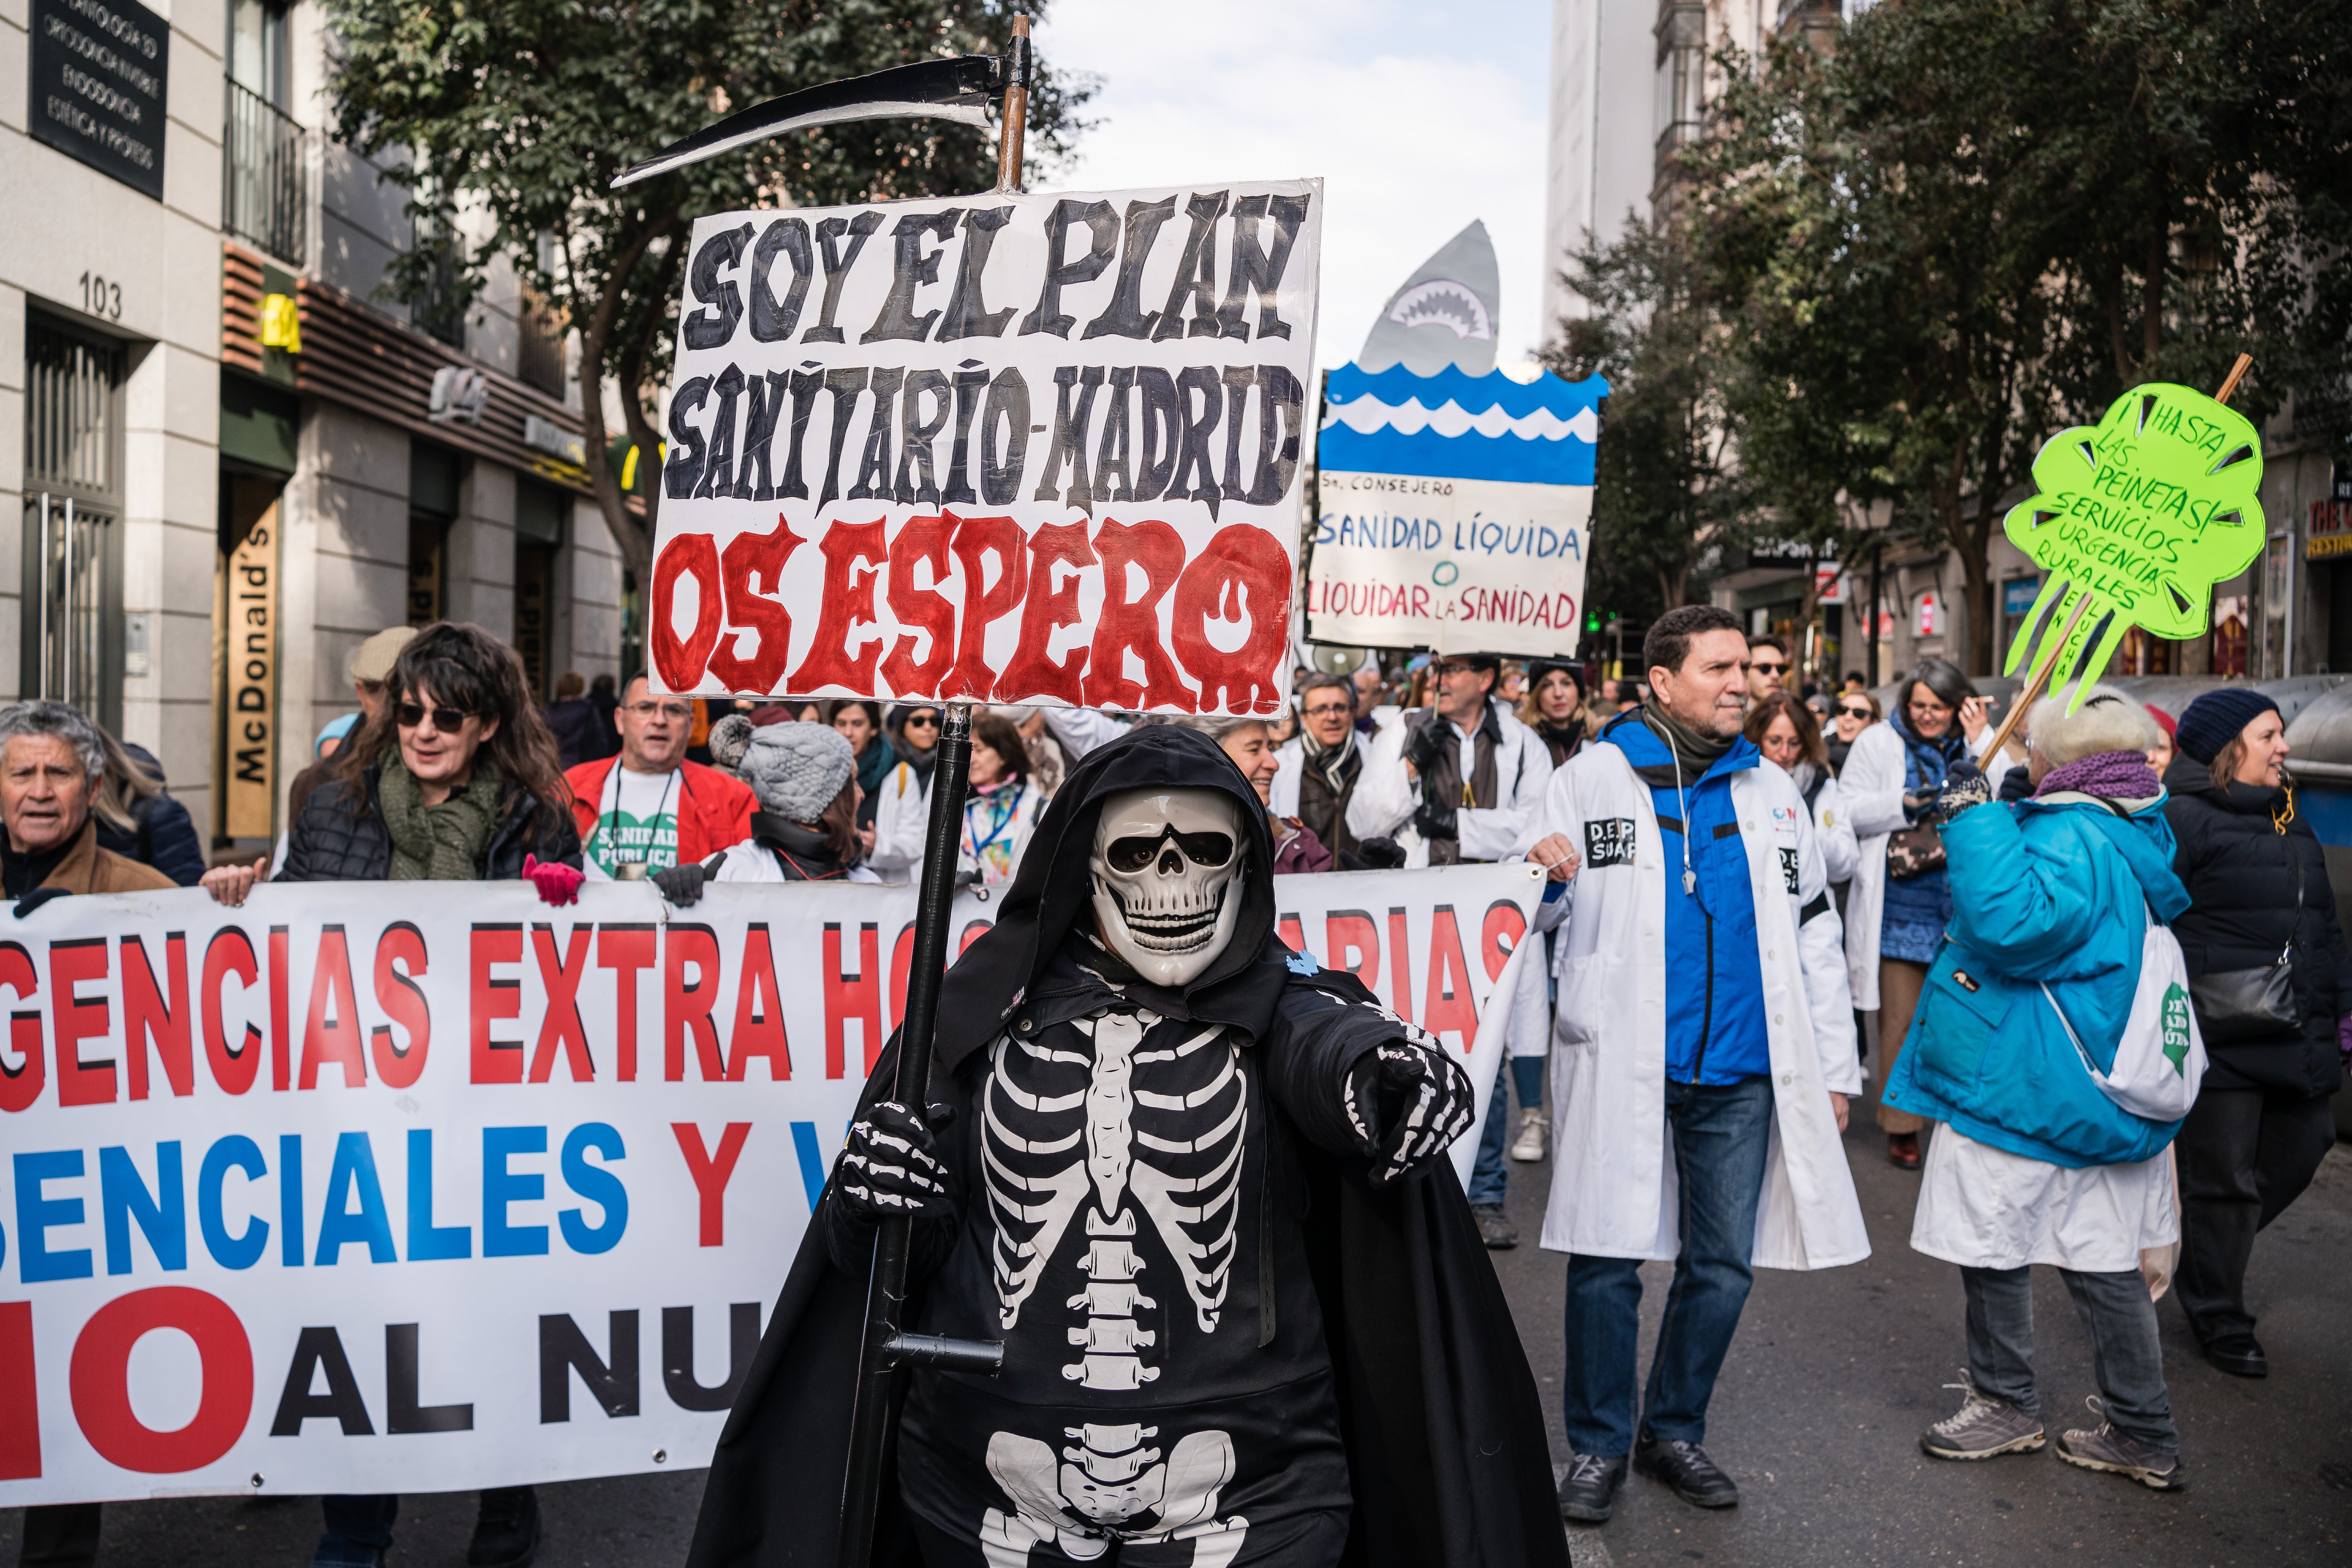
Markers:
2160,1059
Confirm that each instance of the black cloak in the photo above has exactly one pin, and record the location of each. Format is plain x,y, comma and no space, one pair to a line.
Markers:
1447,1456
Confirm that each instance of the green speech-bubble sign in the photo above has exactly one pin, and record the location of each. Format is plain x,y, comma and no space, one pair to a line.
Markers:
2140,514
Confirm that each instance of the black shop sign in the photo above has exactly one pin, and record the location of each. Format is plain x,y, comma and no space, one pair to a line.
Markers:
99,69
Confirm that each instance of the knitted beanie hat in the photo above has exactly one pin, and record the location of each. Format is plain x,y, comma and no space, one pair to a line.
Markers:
2214,720
796,770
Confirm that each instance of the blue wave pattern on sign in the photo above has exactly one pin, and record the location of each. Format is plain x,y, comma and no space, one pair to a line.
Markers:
1543,430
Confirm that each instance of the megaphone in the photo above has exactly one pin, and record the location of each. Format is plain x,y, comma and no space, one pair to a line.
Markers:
1332,659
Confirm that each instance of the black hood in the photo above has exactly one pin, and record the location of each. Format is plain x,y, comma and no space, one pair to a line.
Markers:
1051,894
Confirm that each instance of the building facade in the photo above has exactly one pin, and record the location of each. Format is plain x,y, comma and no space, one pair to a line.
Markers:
238,455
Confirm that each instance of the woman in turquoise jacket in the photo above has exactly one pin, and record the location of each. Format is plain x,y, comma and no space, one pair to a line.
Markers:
2032,1162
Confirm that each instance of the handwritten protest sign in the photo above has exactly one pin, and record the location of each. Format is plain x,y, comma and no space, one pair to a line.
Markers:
361,1188
1013,448
2134,519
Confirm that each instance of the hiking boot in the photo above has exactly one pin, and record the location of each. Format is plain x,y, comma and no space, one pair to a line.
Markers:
2119,1453
1494,1227
1532,1127
2240,1355
1902,1149
1686,1468
506,1531
1984,1427
1588,1493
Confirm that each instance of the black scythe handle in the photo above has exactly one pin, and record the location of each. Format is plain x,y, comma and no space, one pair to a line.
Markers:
886,1348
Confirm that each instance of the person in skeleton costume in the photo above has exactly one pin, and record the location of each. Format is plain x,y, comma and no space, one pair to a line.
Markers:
1195,1183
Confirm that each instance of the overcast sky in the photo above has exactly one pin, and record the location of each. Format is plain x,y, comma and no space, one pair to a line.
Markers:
1419,116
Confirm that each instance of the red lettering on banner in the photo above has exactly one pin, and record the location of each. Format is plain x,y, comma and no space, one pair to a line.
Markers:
902,965
1352,942
230,951
1243,572
1446,1004
972,933
1503,921
975,538
100,1381
146,1018
712,1173
1400,965
851,550
74,1019
561,1029
625,950
282,1036
680,661
1292,932
20,1394
494,1000
747,558
686,1009
1034,672
403,1001
338,1042
848,996
1131,624
21,1085
759,1013
920,538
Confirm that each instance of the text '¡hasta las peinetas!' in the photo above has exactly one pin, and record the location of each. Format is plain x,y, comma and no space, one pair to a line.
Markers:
1011,448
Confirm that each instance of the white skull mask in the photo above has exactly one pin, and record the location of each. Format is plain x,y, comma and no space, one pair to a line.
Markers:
1166,864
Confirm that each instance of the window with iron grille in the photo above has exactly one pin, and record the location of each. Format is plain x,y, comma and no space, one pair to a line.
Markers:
71,639
539,362
264,167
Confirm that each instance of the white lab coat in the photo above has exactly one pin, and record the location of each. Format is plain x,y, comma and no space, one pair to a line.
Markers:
902,819
1290,761
1834,830
752,861
1870,789
1613,1192
1386,796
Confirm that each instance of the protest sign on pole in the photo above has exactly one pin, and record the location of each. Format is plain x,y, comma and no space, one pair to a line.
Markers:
1008,448
360,1188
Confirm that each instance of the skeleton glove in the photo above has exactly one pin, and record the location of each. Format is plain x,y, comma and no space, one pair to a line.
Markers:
888,1168
1407,1102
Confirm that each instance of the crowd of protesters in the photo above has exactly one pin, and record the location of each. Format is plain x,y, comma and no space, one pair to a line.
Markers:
1760,900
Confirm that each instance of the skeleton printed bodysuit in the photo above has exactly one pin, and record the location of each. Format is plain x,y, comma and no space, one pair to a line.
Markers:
1165,1378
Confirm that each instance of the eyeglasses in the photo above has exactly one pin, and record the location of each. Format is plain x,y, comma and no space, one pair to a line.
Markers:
1452,668
667,710
1330,709
922,721
449,720
1853,712
1760,667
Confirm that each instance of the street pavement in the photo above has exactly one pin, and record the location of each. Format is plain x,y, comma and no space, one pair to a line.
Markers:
1816,1417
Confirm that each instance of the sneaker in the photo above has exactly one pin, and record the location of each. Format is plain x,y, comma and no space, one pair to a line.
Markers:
1902,1149
1686,1468
1494,1227
1588,1493
506,1531
1532,1127
1984,1426
2119,1453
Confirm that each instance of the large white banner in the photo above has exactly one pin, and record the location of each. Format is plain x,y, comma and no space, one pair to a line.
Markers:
406,1187
1016,448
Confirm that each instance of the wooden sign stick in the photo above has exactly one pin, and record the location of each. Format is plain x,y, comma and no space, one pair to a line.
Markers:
2041,679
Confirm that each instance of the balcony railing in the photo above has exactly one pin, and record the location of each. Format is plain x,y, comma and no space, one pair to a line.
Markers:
265,177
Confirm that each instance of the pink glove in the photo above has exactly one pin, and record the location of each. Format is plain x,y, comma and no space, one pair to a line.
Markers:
2343,1036
557,883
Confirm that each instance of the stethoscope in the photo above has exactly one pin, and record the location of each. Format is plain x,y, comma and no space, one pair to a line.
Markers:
634,870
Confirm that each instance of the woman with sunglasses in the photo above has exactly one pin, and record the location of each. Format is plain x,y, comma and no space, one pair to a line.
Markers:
454,779
1855,712
901,804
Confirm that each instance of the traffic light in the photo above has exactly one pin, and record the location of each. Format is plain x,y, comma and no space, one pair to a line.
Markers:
1592,620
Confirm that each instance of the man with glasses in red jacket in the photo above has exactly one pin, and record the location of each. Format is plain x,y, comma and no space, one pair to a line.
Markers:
649,809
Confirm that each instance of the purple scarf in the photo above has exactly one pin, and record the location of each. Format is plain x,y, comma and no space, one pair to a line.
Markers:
2110,775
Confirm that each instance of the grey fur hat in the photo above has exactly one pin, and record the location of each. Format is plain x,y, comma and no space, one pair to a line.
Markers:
796,770
729,737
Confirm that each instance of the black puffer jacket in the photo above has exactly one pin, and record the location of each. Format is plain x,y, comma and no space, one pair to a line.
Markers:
2238,854
331,844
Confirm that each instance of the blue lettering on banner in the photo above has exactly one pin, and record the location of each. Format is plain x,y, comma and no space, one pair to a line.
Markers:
161,1215
812,1161
427,1242
595,1184
501,1187
234,1153
341,1225
36,1212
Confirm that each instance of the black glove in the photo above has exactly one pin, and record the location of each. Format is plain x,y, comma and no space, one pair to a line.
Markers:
36,897
1422,742
1965,787
1407,1102
1436,819
1920,805
888,1168
1380,854
682,885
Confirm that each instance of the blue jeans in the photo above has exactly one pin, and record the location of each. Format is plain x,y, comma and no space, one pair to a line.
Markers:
2124,1355
1719,1134
1489,1177
358,1530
